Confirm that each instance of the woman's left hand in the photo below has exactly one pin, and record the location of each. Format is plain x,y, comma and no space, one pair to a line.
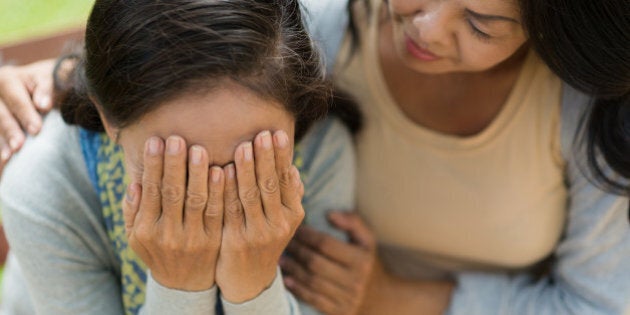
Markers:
329,274
263,208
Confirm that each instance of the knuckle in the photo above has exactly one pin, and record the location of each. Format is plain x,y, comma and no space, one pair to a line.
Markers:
195,200
233,208
172,193
270,185
284,178
151,189
251,197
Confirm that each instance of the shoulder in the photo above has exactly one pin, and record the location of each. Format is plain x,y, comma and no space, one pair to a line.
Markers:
326,21
48,177
327,140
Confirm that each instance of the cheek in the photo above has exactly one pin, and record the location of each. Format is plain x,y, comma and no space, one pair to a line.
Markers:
482,56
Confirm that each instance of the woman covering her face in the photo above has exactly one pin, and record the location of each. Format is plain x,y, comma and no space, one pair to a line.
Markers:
173,189
491,130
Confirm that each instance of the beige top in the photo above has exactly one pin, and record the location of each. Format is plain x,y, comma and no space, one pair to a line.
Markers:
492,200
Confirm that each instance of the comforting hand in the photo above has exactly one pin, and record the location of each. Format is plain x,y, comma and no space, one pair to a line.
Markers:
176,229
329,274
262,211
25,93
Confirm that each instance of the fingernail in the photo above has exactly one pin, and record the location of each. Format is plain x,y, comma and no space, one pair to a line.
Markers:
229,170
154,146
131,193
266,140
282,139
43,102
195,155
14,143
215,174
248,154
173,145
6,154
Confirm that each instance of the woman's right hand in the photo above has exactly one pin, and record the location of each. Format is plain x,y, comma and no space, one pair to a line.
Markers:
25,93
176,229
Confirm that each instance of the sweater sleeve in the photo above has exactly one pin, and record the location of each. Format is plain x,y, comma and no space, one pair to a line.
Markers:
55,228
328,172
590,269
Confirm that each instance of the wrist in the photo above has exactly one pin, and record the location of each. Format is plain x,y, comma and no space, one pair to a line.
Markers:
189,284
237,292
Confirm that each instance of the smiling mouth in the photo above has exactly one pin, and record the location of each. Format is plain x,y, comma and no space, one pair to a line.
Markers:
419,52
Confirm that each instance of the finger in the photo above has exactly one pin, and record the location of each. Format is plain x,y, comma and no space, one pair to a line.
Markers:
213,218
42,93
5,152
248,191
316,283
321,265
334,249
151,198
10,130
131,206
174,182
318,301
266,176
233,217
197,188
18,100
284,157
352,223
292,196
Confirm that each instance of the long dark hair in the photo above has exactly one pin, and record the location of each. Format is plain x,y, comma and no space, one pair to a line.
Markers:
587,44
139,54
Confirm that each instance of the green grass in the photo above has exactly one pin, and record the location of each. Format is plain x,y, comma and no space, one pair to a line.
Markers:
24,19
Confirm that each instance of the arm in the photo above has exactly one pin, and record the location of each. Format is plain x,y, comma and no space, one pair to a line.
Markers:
54,232
590,273
330,283
55,227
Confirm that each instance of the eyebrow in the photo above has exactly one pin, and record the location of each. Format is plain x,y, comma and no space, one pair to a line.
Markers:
489,18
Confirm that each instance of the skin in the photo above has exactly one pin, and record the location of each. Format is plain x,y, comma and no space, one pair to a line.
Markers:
218,200
459,93
25,95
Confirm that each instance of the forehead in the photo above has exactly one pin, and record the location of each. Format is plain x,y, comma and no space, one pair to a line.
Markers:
218,120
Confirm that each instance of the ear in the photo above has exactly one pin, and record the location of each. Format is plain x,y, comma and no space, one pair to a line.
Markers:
112,131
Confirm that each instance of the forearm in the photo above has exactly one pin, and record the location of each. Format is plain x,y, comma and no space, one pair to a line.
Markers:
388,294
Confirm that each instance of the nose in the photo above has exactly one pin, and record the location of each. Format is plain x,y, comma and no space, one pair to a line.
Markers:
432,25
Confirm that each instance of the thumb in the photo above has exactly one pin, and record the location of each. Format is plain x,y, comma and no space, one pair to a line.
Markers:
353,224
131,205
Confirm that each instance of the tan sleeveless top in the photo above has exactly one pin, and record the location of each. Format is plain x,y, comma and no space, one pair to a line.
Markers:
440,202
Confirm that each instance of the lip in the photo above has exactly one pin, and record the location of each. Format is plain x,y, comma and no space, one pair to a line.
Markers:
418,52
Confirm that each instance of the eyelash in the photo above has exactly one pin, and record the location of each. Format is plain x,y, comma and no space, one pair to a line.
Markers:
477,32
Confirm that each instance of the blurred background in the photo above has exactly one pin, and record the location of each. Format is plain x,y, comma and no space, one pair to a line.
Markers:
33,28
